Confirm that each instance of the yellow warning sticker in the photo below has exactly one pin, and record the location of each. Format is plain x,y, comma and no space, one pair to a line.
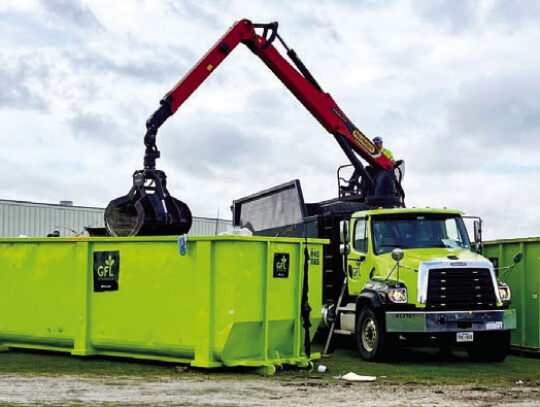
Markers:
364,141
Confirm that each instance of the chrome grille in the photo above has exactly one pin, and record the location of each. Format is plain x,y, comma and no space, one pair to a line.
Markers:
460,289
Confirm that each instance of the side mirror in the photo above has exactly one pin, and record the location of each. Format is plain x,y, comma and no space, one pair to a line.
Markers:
478,236
344,248
508,270
477,231
344,231
398,254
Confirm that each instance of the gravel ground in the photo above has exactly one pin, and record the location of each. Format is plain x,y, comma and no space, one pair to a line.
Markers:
21,390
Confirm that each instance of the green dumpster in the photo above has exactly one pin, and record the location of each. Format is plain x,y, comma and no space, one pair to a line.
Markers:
524,282
227,301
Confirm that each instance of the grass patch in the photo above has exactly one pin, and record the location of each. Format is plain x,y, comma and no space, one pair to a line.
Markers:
43,362
429,366
419,366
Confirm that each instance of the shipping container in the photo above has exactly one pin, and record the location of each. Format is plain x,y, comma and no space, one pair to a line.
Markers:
524,282
225,301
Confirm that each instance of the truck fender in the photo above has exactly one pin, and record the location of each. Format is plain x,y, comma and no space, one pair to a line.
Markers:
368,298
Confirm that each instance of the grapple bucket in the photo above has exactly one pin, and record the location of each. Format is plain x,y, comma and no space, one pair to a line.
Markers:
148,209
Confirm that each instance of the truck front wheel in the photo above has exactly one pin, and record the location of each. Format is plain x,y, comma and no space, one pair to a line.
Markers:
489,346
371,337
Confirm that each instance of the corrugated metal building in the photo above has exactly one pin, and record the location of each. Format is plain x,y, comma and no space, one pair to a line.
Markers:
40,219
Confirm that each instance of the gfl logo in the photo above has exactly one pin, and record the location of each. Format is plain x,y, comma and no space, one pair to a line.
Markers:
282,264
106,270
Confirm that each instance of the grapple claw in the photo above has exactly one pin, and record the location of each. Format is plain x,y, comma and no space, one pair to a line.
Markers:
148,209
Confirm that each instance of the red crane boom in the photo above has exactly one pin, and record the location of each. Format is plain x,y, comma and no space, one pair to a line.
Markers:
320,104
148,209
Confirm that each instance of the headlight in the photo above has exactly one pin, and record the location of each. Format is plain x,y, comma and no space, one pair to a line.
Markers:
504,292
398,295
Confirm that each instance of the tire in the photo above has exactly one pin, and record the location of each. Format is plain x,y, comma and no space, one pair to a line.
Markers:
490,346
374,344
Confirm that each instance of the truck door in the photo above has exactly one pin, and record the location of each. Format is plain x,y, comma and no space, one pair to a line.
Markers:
356,263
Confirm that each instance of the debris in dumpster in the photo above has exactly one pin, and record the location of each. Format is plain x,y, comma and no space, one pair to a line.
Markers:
237,231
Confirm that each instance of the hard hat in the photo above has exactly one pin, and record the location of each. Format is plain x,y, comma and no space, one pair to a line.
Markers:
377,140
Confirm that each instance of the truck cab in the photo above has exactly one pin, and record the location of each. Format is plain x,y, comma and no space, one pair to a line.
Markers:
413,276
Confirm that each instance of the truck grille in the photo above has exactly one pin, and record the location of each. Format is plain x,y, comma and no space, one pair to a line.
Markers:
460,289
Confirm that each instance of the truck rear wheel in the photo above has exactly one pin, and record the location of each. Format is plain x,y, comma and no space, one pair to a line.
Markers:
490,346
371,338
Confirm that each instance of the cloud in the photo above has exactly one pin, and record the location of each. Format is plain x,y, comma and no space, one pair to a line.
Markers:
501,110
17,80
150,63
14,32
191,9
453,15
71,12
99,127
263,106
205,148
311,22
514,15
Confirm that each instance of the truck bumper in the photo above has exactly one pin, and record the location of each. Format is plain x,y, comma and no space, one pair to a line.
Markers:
451,321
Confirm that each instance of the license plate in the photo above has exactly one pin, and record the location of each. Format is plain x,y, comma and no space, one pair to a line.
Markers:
465,337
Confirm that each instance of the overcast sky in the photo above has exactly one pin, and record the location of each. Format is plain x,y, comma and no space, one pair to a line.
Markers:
452,86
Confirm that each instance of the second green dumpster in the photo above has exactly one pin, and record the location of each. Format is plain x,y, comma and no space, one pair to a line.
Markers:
524,283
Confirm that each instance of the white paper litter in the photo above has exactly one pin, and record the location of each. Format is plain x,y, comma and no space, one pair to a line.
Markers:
353,377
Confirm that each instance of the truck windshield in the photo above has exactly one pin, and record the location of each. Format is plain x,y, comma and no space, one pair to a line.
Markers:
409,231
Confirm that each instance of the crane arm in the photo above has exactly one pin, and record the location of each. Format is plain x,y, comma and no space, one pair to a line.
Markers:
149,209
299,81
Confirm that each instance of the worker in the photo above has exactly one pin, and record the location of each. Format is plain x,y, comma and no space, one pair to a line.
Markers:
378,141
